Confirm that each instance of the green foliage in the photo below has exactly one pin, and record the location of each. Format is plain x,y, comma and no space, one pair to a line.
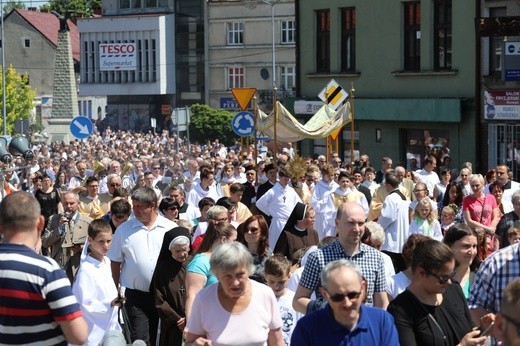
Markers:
11,5
78,8
19,98
207,123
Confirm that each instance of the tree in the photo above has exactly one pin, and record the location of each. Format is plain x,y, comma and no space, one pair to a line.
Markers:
207,123
78,8
19,98
11,5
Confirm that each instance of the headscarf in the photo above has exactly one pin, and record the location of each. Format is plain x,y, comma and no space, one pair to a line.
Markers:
165,260
297,214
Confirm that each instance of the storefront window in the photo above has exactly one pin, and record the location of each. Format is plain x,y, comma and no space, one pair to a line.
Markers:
421,143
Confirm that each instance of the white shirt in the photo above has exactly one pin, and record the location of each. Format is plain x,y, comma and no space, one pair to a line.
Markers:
197,193
95,291
394,220
430,179
138,249
278,203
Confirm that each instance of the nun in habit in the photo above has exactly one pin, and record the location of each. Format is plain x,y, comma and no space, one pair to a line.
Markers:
168,285
298,232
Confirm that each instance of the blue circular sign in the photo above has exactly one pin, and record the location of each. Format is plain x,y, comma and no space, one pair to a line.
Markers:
243,124
81,127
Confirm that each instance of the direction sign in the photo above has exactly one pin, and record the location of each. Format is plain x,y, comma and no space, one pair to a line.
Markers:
243,96
243,124
333,94
81,127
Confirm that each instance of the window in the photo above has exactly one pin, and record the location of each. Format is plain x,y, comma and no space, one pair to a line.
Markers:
348,39
424,142
412,36
235,34
323,41
495,43
442,39
288,31
235,77
26,43
288,78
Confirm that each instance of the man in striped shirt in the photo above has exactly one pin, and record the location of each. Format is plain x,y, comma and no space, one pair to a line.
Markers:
37,305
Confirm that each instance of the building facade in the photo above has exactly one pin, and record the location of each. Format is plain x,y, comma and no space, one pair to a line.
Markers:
246,39
499,82
412,65
147,57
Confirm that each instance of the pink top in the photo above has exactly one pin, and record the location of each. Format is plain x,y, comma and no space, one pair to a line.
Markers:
475,207
248,328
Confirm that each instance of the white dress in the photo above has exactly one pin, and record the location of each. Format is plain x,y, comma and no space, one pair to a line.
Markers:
278,203
325,211
95,290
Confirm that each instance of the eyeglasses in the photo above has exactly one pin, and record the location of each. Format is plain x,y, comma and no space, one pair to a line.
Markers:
115,185
156,167
443,278
339,297
513,322
253,230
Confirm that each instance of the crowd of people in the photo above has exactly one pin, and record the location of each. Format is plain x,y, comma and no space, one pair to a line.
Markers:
213,245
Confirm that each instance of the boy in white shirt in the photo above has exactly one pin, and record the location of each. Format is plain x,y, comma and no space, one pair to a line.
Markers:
277,272
370,175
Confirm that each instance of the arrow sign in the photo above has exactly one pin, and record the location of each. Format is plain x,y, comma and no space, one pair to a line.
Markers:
81,127
243,124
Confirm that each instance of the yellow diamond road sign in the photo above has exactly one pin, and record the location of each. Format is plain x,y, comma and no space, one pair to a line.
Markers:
333,94
243,96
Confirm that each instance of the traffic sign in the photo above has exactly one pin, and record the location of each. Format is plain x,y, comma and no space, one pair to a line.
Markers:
243,124
243,96
81,127
333,94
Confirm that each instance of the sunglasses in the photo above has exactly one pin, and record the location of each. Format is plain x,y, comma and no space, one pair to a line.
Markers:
115,185
513,322
443,278
253,230
339,297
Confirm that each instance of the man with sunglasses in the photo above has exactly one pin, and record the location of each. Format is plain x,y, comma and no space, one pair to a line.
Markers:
345,320
350,226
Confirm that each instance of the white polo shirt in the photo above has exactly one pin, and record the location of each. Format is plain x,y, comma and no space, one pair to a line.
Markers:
138,249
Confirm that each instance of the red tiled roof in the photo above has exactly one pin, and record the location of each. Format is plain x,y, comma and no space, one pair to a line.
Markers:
49,25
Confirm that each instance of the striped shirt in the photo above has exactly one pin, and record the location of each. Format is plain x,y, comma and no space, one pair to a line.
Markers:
35,294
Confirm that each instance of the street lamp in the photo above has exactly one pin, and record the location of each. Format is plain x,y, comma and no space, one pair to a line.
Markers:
4,108
272,3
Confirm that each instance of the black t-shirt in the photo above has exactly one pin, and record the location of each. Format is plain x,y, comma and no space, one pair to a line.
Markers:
48,202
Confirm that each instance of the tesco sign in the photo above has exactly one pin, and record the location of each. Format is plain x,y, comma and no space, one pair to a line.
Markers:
117,56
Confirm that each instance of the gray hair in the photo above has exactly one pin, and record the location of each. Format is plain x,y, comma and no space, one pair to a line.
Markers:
341,263
229,256
112,176
376,231
515,197
145,195
215,211
71,193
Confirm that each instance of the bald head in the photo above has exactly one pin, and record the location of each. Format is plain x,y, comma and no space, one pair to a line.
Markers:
347,209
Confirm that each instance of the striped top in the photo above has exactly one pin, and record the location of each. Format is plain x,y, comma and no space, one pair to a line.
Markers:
35,294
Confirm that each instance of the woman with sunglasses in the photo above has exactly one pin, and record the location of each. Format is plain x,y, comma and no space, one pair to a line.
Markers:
254,234
169,208
433,310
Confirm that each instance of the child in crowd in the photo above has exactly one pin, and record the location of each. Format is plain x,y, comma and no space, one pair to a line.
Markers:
370,175
513,235
424,221
277,273
448,215
94,287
